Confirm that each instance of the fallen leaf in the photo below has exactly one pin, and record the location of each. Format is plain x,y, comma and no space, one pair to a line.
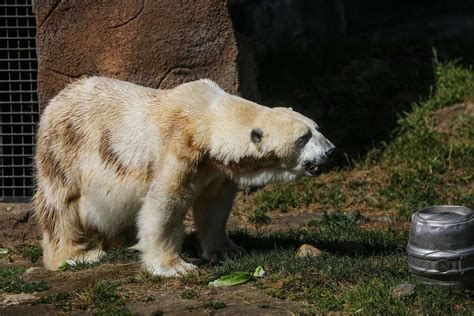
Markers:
231,279
259,272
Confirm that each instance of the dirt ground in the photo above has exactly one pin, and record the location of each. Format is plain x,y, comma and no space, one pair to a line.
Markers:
17,225
238,300
18,229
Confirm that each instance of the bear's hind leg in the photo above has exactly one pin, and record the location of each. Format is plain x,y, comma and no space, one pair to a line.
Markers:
63,235
211,211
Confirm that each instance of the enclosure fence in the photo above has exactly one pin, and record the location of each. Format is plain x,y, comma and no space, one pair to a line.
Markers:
18,99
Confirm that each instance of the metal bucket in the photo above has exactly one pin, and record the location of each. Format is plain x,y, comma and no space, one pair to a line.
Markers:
441,246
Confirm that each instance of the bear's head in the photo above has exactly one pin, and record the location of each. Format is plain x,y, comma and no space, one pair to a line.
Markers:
256,145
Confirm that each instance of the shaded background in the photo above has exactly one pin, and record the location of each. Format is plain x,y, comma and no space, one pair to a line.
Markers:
352,65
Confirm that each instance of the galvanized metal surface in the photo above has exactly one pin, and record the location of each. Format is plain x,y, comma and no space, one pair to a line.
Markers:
18,99
441,246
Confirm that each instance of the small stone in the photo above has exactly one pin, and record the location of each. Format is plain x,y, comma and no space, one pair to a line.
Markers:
31,270
307,251
403,290
15,299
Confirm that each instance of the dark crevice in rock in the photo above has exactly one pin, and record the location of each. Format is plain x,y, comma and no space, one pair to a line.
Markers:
140,11
63,73
53,7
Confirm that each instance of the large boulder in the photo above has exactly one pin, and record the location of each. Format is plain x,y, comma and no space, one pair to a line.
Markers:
158,44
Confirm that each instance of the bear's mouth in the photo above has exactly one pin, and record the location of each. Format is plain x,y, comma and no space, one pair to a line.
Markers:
312,168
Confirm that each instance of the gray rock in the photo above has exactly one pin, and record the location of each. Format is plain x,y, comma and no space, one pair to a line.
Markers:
308,251
32,270
15,299
403,290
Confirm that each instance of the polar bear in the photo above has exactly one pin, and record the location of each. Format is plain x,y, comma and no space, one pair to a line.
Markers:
113,155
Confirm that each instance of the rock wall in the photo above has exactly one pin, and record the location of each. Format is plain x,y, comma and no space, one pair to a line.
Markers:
157,44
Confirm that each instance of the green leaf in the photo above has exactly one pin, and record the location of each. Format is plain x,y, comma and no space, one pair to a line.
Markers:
232,279
63,266
259,272
3,251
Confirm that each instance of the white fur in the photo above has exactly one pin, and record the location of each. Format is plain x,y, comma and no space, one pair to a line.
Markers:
264,177
165,151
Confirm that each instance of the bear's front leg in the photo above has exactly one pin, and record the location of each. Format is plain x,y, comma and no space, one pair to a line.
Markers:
161,228
211,211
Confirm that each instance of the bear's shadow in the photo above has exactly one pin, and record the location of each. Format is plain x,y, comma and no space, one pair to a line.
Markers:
266,243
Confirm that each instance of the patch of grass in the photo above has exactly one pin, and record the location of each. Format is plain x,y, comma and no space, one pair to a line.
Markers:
189,294
215,305
60,300
341,243
30,252
421,160
331,237
374,296
336,219
287,196
464,200
11,281
116,311
59,297
325,297
329,194
148,276
339,232
280,197
340,279
258,217
107,297
119,255
195,279
105,292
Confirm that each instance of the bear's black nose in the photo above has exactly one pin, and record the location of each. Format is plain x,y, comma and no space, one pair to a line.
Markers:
330,153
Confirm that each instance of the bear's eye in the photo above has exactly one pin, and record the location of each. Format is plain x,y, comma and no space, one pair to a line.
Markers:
304,139
256,135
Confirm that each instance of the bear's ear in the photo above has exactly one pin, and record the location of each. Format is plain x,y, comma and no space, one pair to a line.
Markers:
256,135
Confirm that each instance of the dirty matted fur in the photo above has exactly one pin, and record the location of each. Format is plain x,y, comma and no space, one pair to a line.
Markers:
113,155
